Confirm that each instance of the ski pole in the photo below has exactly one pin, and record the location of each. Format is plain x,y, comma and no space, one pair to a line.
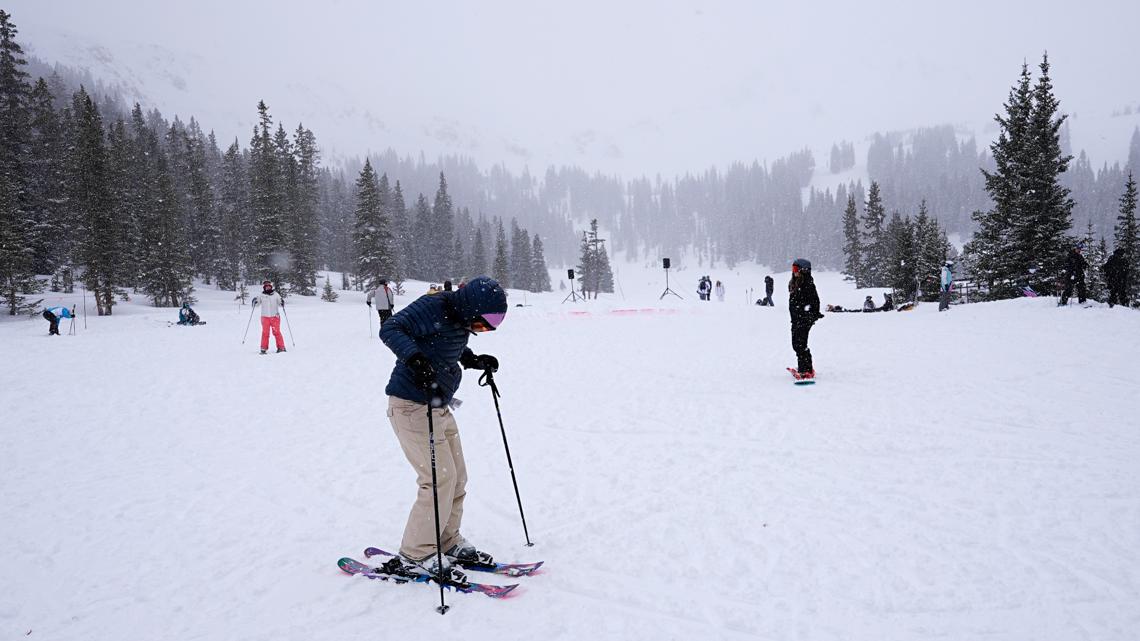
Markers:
443,607
243,336
293,342
369,321
488,380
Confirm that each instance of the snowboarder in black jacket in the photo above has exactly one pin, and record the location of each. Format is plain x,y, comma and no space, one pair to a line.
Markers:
1116,277
803,303
1074,275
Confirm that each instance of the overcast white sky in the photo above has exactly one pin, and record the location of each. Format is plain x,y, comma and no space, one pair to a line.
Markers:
633,87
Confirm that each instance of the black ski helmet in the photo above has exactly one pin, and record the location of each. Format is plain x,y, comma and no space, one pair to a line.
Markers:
803,264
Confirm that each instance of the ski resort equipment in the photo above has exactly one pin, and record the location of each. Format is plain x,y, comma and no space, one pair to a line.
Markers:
287,325
352,566
505,569
488,380
243,336
443,607
802,379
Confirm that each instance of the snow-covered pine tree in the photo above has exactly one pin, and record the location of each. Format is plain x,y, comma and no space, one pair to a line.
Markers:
303,226
233,210
1096,252
874,247
44,170
1134,152
1127,236
98,235
540,275
501,270
931,253
329,294
167,267
443,233
201,205
369,230
421,263
401,235
521,260
993,251
16,256
265,203
1041,231
477,261
902,255
852,247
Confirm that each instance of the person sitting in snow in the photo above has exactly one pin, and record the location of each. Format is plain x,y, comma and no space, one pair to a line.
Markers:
187,316
869,305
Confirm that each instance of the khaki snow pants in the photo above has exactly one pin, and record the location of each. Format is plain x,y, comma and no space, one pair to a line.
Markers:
409,421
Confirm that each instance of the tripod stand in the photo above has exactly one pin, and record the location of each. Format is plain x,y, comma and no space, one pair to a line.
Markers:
574,296
667,289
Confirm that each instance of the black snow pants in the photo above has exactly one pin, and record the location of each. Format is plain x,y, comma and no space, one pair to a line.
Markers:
385,314
53,329
1116,295
1077,279
800,345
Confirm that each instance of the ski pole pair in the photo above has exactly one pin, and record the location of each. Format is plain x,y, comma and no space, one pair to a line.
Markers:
287,325
486,380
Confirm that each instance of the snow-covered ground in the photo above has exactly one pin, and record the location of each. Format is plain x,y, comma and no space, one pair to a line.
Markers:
965,475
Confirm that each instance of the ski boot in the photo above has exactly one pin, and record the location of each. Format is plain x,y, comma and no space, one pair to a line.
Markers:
464,553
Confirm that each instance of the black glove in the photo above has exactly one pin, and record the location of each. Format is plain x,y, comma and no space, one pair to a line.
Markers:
818,316
423,374
484,362
368,302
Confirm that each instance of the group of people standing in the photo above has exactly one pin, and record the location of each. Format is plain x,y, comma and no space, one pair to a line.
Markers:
1115,271
705,289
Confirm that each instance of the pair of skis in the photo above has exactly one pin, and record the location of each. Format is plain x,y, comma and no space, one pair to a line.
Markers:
352,566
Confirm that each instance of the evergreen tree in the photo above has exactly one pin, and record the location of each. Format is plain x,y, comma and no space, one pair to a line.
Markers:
522,258
233,209
1095,253
166,267
16,254
401,234
540,275
500,271
371,231
478,261
1041,229
852,246
993,252
931,253
265,202
421,259
98,247
901,271
329,294
1127,236
45,176
442,252
303,224
200,201
875,257
1134,151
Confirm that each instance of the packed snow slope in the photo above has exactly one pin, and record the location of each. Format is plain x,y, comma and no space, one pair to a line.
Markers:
965,475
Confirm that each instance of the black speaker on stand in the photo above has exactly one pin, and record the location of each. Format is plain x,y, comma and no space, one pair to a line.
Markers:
665,264
574,297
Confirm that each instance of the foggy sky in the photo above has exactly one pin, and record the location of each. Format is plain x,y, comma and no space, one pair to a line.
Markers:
632,87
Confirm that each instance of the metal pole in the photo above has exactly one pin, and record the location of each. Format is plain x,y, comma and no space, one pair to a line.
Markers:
243,336
443,607
488,380
286,314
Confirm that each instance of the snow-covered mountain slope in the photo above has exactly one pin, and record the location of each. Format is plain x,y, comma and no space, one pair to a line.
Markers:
959,475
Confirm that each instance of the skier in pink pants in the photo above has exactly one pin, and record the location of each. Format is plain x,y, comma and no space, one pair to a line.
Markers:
271,304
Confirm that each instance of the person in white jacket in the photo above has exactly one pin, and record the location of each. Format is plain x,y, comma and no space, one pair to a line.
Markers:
385,300
719,291
271,304
946,282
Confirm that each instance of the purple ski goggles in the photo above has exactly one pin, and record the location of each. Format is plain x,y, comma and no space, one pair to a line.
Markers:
488,322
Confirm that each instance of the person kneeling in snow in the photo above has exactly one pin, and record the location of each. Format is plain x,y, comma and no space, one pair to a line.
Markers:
429,338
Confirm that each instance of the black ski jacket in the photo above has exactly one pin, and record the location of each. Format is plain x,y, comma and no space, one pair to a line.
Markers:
1115,270
1076,264
803,301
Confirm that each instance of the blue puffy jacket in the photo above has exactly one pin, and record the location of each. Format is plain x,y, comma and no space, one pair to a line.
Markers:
437,327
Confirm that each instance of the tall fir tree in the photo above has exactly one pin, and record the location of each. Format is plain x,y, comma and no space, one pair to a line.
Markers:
852,246
1041,229
1096,252
540,275
501,270
401,234
98,247
993,250
522,258
44,171
233,208
874,246
265,202
303,226
17,277
442,232
421,264
930,253
167,268
370,233
901,271
477,263
1127,237
18,225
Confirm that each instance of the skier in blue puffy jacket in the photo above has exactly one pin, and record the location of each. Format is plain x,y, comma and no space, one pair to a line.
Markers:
53,315
429,338
946,282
